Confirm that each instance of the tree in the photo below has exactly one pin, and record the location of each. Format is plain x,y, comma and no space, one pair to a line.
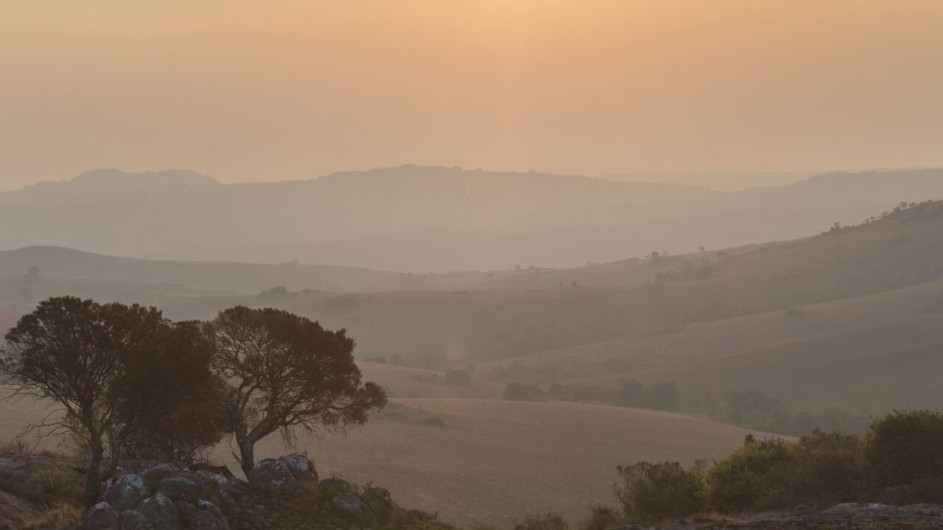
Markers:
75,352
172,395
285,372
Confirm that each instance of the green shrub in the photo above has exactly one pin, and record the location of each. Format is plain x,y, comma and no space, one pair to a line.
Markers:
906,446
751,477
658,491
829,468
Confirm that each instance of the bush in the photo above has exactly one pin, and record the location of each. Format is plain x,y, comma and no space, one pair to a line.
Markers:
547,521
663,490
522,392
830,468
602,517
906,446
751,477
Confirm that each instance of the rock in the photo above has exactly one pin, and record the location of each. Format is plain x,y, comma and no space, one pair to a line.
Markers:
155,474
133,520
419,515
273,476
354,509
334,486
160,513
185,512
126,492
179,488
301,467
207,517
380,502
101,517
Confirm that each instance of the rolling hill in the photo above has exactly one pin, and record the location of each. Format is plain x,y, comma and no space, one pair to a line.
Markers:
431,219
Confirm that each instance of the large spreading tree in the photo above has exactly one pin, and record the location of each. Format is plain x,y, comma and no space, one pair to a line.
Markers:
118,372
285,372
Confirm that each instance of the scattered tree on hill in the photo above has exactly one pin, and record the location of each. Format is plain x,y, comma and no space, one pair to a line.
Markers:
284,372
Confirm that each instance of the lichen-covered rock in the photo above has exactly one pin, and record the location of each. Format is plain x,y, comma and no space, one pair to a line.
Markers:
125,492
380,502
133,520
160,513
354,509
185,512
207,517
301,467
179,488
101,517
273,476
155,474
334,486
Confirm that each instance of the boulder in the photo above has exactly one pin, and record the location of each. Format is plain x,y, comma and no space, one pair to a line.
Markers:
155,474
273,476
133,520
179,488
125,492
334,486
380,502
101,517
160,513
354,509
207,517
301,467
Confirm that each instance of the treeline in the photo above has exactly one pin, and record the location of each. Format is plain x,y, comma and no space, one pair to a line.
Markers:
898,461
133,384
660,395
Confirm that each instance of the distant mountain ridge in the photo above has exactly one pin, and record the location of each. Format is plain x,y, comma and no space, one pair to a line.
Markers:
431,219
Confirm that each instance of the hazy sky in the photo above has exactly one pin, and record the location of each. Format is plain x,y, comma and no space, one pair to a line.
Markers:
246,90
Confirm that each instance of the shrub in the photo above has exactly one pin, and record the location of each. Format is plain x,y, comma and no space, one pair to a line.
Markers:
750,477
602,517
522,392
547,521
658,491
830,468
906,446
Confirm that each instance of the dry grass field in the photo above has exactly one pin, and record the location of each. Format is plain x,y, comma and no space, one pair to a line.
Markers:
495,461
403,381
492,461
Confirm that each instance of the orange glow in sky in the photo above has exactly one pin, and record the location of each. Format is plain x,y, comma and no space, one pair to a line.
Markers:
295,89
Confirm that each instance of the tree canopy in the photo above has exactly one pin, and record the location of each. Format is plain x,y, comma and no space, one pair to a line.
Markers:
285,372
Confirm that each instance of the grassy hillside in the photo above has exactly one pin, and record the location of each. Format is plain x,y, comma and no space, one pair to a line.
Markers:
494,461
485,461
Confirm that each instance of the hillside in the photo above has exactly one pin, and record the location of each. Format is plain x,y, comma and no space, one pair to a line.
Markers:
493,461
431,219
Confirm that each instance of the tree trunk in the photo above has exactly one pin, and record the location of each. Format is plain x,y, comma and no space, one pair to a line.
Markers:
93,474
246,454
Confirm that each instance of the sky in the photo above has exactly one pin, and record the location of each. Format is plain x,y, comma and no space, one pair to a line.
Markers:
282,89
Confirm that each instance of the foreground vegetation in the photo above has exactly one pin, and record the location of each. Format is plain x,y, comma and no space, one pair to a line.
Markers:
898,461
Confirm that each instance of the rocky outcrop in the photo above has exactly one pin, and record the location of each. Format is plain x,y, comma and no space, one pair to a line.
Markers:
165,496
281,493
848,516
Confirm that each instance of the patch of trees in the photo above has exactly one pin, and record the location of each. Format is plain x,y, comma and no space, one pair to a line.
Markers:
899,461
688,272
756,410
131,383
660,395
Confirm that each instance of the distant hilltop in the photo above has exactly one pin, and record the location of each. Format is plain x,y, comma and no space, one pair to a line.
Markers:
433,219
